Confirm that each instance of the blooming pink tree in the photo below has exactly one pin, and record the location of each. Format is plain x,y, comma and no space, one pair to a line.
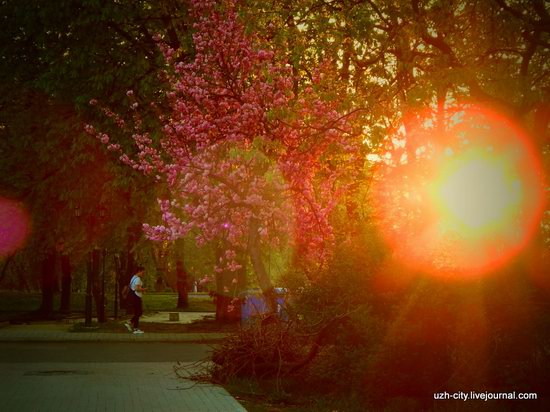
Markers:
246,161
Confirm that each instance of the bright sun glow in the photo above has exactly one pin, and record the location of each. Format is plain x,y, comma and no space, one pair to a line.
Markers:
465,201
478,193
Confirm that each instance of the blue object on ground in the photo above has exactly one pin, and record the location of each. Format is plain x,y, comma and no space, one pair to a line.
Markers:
254,303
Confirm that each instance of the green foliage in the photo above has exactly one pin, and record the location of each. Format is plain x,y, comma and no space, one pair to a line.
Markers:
395,344
13,303
54,58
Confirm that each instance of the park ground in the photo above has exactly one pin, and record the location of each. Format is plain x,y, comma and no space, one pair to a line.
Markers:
59,364
60,360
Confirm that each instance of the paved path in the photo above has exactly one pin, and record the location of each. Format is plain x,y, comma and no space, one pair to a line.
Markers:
83,387
102,352
60,333
121,385
183,317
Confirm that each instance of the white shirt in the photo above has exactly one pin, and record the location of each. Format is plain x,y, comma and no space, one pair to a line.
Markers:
134,282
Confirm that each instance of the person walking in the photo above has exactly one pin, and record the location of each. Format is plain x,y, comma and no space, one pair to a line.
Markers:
136,294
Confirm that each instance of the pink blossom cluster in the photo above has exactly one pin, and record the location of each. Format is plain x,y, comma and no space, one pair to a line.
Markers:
206,280
229,156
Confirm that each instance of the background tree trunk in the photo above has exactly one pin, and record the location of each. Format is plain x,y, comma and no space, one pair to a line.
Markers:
264,279
159,260
5,267
66,279
181,276
226,291
223,314
48,283
96,287
130,265
119,270
226,309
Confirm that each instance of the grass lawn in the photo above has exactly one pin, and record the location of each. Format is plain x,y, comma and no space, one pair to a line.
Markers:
262,396
13,304
256,398
153,302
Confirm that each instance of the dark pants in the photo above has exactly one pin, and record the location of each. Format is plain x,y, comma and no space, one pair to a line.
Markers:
138,310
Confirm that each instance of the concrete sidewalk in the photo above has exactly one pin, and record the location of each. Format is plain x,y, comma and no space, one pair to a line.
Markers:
113,387
60,331
105,386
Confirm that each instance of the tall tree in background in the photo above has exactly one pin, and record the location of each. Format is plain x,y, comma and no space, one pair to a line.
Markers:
392,57
404,58
246,160
54,57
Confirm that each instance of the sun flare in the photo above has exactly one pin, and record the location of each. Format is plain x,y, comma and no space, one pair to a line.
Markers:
464,202
478,193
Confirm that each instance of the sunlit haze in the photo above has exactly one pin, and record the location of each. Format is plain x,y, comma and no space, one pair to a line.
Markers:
465,201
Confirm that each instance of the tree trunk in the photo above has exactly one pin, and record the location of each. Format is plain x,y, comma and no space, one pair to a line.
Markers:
159,258
540,127
66,279
22,283
21,272
5,267
346,60
226,309
537,255
255,254
240,274
226,291
129,267
47,284
119,269
96,287
181,276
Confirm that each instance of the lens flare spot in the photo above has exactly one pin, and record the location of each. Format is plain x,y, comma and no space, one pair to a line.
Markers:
14,226
468,199
478,192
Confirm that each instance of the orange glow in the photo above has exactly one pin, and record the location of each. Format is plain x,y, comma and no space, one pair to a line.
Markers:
459,199
14,226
